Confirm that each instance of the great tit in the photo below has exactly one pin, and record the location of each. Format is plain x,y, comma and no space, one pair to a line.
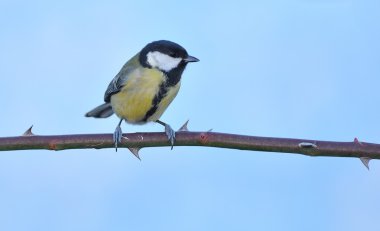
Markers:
145,86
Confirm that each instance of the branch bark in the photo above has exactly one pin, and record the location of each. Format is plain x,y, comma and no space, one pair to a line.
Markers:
184,138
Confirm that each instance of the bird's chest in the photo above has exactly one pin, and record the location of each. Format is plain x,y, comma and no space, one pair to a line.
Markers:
161,102
142,92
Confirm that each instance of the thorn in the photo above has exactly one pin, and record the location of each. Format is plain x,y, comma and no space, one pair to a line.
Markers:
184,127
28,132
356,140
365,161
307,145
135,151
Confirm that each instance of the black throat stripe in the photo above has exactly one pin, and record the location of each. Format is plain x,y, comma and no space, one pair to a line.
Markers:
156,100
172,78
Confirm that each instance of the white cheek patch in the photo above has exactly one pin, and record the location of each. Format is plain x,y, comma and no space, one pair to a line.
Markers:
162,61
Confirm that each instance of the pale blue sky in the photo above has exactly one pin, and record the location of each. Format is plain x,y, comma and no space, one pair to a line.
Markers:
302,69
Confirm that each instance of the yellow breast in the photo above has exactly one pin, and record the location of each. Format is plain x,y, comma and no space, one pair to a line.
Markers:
136,97
164,103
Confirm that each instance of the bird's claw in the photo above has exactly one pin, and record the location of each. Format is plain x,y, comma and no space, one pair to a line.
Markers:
117,135
170,133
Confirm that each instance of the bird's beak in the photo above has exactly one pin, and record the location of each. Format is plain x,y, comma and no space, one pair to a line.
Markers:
190,59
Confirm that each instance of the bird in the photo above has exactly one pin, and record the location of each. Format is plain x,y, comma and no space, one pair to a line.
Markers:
145,86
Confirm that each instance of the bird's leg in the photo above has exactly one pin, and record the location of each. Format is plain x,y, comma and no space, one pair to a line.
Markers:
118,134
170,133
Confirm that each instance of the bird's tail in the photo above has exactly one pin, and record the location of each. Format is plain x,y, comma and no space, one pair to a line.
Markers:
102,111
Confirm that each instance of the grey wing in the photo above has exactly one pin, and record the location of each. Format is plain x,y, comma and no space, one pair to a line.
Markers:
120,79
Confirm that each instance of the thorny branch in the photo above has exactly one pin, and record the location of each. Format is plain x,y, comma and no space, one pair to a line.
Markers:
136,141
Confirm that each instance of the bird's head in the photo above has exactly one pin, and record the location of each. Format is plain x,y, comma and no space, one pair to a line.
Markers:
165,56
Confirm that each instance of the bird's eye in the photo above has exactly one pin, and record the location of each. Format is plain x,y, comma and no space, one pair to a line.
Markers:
172,54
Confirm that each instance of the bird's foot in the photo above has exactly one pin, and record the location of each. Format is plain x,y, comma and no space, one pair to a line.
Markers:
170,133
117,135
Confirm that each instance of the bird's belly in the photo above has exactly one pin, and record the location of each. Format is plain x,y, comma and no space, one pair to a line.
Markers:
135,98
135,104
164,103
132,106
